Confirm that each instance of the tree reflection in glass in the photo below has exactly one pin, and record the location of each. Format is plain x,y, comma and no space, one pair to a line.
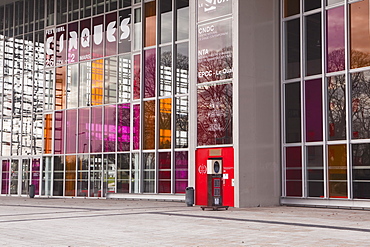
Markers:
337,107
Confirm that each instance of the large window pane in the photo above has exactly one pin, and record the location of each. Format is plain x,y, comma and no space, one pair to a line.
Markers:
150,23
85,83
110,128
58,175
149,125
83,130
311,4
164,173
361,170
150,73
215,115
60,88
335,39
337,107
123,173
165,72
293,175
314,121
71,131
360,83
182,122
72,86
59,132
149,173
181,171
124,78
292,112
291,7
315,171
70,176
313,44
182,68
82,175
97,82
96,128
182,8
360,34
292,49
166,20
123,127
337,162
165,123
110,75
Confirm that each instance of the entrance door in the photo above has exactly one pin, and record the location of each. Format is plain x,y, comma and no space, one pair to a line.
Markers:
19,176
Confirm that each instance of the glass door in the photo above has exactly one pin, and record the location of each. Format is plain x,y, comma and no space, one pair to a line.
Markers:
25,180
14,177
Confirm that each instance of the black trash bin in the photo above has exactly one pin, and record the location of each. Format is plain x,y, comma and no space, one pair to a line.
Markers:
189,196
32,191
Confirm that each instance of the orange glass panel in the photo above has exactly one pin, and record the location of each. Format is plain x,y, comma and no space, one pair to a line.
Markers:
337,160
70,175
360,34
97,81
150,23
48,133
149,124
60,88
165,129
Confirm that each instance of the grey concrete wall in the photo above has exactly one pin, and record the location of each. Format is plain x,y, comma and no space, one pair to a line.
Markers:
257,89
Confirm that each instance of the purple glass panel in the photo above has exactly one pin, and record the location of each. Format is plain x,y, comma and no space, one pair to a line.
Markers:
294,171
59,132
123,127
71,131
164,174
335,39
5,177
35,176
149,73
96,129
136,129
181,171
314,126
110,128
83,130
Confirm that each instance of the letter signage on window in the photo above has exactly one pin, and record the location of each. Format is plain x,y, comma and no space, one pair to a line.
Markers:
49,48
209,9
85,40
111,34
73,43
215,51
124,43
61,47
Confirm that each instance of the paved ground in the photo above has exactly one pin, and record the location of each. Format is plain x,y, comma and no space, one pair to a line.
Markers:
80,222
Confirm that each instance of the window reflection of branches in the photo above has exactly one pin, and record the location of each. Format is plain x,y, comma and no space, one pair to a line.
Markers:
337,107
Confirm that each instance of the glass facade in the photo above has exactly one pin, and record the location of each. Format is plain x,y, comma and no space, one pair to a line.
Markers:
94,97
325,77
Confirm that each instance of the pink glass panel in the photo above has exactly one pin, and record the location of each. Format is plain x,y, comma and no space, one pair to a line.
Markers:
71,131
137,76
335,39
83,130
111,34
293,171
98,37
110,128
123,127
59,132
85,37
149,73
35,179
181,171
136,129
314,126
5,177
96,129
73,35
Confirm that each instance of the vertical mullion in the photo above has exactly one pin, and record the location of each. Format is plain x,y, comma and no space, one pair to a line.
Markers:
348,100
324,103
302,91
282,100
